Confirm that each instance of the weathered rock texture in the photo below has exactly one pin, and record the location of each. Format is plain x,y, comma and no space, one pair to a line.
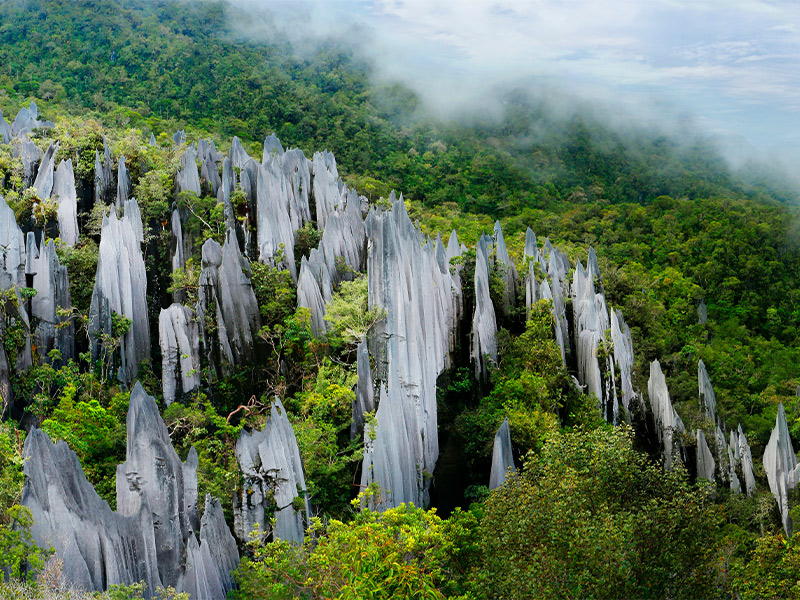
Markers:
50,280
623,360
364,402
502,456
705,461
326,185
226,295
591,321
179,338
746,459
667,421
151,537
484,322
411,347
6,134
344,238
780,464
44,178
270,461
507,270
188,179
708,401
123,183
104,178
67,197
121,287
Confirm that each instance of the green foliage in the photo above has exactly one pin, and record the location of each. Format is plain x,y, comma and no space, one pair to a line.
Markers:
275,293
772,571
349,314
591,517
18,552
81,264
405,552
11,478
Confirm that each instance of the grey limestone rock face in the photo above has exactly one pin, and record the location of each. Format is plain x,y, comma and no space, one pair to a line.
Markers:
225,287
104,177
364,402
151,537
6,134
746,459
44,178
591,321
179,137
274,228
179,338
270,462
484,322
272,146
502,456
733,460
557,267
97,546
123,183
188,179
705,461
702,313
309,295
325,186
344,237
297,171
30,155
507,268
667,421
27,120
67,197
12,268
411,346
51,283
708,402
623,359
121,287
153,476
153,141
780,464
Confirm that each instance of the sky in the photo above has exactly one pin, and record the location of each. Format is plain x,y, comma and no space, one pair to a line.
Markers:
730,68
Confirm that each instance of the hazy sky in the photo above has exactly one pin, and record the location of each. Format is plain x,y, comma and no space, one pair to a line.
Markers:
732,67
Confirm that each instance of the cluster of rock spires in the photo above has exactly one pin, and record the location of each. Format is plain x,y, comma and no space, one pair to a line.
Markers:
414,281
410,281
273,480
152,537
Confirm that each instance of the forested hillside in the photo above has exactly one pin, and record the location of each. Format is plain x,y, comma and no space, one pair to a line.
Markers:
275,303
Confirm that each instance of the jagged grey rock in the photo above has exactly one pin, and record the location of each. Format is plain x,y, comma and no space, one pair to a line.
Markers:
179,137
705,461
364,402
411,346
13,257
6,134
123,183
67,197
121,287
179,339
97,546
309,296
225,285
325,186
667,421
454,251
272,146
557,266
274,223
780,464
51,283
484,322
104,178
502,456
188,179
591,321
297,170
209,172
270,461
623,359
747,464
733,460
702,313
344,238
708,401
507,268
153,141
27,120
30,155
44,178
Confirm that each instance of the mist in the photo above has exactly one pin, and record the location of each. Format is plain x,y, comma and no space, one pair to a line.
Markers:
725,73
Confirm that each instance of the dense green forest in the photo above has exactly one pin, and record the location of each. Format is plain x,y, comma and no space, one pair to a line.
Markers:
591,513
